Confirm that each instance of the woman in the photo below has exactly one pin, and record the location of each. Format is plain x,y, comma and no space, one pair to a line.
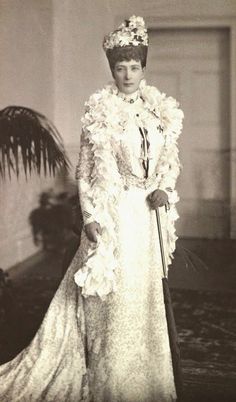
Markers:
128,167
108,341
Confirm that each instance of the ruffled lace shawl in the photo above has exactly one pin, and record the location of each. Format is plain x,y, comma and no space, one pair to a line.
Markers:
103,124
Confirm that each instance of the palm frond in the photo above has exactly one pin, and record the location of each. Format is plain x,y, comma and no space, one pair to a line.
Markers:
27,133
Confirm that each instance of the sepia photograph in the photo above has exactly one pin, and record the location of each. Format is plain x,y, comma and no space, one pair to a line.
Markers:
118,201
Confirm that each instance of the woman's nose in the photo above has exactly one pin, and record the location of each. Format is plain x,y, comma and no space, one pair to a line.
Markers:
128,74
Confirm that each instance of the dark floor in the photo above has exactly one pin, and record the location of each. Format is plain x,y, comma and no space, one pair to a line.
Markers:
203,293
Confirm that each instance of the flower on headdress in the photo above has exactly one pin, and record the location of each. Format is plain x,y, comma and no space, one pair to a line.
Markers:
131,32
125,38
136,22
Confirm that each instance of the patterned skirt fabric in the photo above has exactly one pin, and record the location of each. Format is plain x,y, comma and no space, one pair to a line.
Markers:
91,350
128,347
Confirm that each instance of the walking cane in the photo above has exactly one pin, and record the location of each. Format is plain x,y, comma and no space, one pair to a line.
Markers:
173,336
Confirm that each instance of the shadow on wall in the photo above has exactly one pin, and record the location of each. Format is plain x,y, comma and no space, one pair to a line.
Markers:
56,219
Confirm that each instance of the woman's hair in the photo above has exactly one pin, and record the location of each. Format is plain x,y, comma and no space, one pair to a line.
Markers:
127,53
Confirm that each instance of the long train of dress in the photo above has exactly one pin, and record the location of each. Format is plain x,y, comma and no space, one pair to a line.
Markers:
127,341
52,367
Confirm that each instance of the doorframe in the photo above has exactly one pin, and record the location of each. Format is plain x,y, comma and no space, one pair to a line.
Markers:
229,23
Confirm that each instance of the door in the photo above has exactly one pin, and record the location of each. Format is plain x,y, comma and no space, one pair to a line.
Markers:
192,65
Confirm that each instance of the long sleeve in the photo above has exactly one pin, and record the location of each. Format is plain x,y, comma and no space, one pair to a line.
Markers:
172,168
172,117
84,171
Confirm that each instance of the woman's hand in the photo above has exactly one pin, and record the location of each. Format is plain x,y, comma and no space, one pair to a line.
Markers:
92,231
157,198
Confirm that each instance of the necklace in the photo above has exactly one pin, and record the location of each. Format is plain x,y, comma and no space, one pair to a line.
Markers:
130,98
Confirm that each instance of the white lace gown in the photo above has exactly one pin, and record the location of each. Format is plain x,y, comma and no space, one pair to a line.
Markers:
128,346
128,355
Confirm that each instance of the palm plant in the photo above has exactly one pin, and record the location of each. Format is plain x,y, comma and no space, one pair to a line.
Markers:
27,135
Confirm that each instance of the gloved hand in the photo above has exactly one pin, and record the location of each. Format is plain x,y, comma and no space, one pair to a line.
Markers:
92,231
157,198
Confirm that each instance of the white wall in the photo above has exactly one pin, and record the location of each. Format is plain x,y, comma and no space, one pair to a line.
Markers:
26,54
80,66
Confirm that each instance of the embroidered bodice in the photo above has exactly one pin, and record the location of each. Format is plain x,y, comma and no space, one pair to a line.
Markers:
141,145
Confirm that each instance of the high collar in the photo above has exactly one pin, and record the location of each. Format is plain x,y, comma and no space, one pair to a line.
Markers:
130,98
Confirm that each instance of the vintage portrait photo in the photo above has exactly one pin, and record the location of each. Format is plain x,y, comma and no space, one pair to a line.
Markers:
117,201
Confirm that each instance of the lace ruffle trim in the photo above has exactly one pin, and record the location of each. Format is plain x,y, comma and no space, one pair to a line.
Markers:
103,124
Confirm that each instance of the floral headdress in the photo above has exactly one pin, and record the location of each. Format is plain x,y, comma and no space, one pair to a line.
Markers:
131,32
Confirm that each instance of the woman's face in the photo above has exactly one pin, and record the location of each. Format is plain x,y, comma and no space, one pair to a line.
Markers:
128,75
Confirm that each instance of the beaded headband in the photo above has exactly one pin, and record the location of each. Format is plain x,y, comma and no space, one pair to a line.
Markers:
131,32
